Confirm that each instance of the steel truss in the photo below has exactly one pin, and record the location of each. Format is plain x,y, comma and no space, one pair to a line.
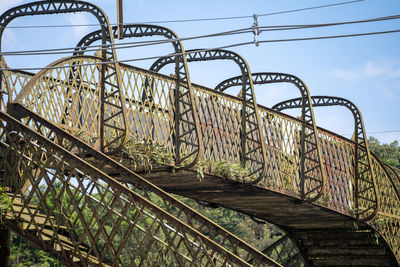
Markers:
253,152
111,96
365,184
186,119
312,170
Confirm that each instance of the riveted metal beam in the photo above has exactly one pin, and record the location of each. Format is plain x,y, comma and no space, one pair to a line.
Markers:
366,199
312,170
110,85
186,113
253,153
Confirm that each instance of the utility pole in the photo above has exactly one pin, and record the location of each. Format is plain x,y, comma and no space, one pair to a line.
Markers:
120,18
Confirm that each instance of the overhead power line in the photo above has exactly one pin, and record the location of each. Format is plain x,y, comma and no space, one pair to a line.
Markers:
310,8
378,132
162,41
191,20
69,50
210,49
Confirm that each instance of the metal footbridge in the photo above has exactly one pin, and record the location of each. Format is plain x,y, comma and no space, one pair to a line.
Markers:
77,194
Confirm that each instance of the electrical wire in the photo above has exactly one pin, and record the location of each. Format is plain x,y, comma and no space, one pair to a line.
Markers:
310,8
211,49
378,132
191,20
120,45
328,37
163,41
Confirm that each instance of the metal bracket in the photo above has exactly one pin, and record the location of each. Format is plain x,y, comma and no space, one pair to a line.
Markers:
256,29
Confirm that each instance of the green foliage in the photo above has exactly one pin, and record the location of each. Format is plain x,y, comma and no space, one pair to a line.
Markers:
5,203
387,153
223,169
138,155
24,254
256,234
143,156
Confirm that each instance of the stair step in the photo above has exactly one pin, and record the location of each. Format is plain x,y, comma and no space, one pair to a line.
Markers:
370,260
334,243
335,235
345,251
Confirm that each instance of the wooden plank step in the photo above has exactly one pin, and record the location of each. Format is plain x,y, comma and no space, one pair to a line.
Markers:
334,243
37,219
371,260
347,251
343,234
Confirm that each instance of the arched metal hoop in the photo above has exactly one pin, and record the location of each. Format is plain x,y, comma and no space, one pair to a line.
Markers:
187,114
251,135
365,187
110,85
311,157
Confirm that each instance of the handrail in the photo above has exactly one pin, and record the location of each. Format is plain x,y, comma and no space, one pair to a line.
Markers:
309,142
251,132
364,173
184,98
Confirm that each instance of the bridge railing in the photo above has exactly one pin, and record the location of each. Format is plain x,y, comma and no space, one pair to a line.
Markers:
72,103
387,219
219,118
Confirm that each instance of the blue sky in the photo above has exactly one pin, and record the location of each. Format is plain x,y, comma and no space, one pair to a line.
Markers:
365,70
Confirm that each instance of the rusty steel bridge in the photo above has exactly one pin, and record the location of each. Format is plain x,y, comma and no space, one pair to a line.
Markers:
73,195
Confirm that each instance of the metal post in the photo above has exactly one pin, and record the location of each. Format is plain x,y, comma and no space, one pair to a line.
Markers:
120,18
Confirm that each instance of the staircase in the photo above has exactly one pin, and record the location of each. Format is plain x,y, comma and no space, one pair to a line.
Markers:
102,220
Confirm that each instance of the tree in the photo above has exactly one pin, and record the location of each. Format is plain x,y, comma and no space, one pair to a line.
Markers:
387,153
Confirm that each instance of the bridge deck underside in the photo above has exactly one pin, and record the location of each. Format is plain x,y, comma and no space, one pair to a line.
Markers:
326,238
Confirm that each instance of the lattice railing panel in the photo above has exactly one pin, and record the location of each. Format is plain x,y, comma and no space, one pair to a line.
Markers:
148,106
102,220
338,159
282,140
12,81
70,97
220,125
151,105
146,190
387,219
